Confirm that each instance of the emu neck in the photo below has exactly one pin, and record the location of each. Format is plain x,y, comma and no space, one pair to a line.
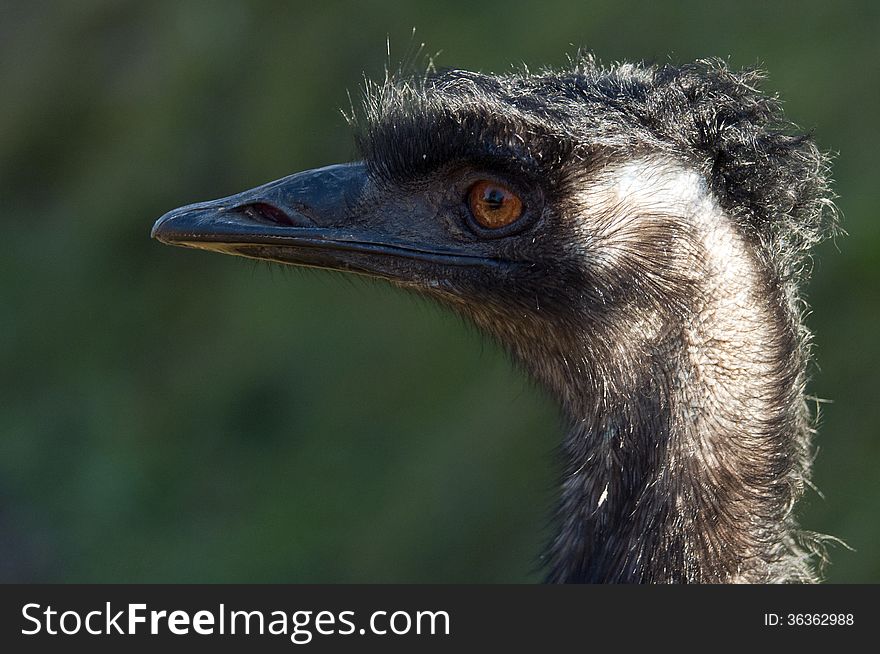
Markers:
683,456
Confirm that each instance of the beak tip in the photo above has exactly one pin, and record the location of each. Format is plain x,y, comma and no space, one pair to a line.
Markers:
160,229
156,231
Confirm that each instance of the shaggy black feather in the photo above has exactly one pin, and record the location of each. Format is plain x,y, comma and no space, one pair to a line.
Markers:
683,384
770,178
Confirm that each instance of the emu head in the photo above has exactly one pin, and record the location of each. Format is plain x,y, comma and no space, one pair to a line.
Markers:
566,213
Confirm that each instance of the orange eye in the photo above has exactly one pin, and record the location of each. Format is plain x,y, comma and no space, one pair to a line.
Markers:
493,205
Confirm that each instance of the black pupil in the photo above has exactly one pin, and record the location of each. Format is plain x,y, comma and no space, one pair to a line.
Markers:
494,198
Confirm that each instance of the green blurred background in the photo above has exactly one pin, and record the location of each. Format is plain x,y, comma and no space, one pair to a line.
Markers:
172,415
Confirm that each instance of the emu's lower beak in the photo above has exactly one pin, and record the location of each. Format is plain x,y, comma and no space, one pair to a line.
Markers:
316,218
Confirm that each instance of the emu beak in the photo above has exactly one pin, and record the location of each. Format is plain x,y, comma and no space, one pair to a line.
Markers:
320,218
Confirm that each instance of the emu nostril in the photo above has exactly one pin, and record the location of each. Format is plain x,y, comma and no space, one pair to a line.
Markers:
266,213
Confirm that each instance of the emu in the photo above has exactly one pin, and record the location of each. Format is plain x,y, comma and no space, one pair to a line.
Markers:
636,237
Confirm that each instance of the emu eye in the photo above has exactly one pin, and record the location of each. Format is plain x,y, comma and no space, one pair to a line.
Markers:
493,205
